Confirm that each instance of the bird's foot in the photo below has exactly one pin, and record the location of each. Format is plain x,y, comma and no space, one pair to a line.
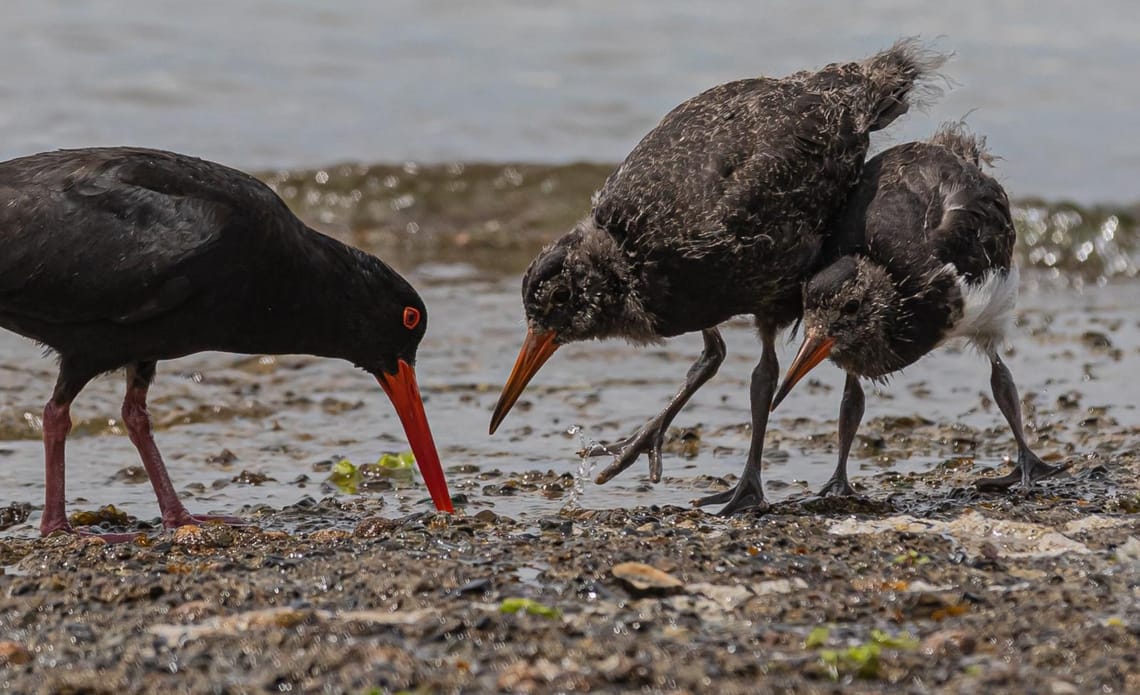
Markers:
648,440
50,527
185,518
716,498
837,487
748,495
1029,469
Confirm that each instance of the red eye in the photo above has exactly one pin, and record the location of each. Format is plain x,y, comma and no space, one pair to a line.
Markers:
411,317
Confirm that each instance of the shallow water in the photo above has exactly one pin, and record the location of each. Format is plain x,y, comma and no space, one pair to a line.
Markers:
285,418
293,83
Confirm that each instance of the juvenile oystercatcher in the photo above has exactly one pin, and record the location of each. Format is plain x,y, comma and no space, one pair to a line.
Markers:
927,256
120,257
720,210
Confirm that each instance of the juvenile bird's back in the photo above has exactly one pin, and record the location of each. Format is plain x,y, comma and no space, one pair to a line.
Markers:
931,201
735,189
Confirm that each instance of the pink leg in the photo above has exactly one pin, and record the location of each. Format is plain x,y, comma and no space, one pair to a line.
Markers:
57,423
137,420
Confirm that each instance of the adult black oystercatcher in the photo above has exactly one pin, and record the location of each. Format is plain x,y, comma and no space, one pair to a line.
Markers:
928,243
720,210
120,257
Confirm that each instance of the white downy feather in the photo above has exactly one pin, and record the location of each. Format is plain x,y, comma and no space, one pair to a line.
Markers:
988,310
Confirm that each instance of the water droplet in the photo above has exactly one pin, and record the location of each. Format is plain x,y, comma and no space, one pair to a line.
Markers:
586,466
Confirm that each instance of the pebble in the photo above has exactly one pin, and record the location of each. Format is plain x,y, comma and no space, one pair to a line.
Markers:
645,577
14,654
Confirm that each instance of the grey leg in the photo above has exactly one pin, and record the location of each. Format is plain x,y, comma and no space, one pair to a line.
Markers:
749,491
1029,467
850,415
651,436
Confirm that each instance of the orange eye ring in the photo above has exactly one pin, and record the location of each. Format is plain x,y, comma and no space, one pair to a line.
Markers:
411,317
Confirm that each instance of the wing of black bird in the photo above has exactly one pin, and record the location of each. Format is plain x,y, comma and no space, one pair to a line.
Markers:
109,234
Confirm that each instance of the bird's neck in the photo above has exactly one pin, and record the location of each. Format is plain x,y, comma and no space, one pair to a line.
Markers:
325,293
626,315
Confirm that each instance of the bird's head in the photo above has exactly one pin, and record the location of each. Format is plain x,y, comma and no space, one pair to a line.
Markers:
580,287
395,321
846,309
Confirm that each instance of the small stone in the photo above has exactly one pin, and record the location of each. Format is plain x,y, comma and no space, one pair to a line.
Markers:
645,577
486,516
728,596
191,611
523,677
132,475
376,527
251,478
1128,552
328,535
14,654
949,642
189,534
1096,340
211,534
1063,688
223,459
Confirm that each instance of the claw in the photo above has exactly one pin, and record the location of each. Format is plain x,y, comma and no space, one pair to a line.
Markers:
185,518
717,498
1029,469
648,440
836,487
655,469
748,495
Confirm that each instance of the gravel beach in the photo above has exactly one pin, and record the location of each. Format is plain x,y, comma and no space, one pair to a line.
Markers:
921,586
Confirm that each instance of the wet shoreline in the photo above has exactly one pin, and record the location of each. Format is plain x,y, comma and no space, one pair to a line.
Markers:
924,585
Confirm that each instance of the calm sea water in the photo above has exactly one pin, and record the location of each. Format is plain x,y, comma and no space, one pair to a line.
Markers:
297,83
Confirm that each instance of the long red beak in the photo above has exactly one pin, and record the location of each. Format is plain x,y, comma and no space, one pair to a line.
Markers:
402,389
536,349
814,350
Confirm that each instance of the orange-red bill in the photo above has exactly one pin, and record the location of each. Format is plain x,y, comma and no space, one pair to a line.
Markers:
536,349
402,389
814,350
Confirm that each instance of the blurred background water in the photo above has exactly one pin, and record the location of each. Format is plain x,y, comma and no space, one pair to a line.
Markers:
284,83
453,139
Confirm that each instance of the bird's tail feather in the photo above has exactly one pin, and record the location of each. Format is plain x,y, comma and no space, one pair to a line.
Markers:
962,143
904,74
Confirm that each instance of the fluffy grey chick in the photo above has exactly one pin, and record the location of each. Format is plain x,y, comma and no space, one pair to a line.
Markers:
926,256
